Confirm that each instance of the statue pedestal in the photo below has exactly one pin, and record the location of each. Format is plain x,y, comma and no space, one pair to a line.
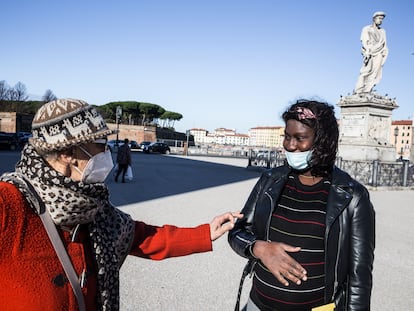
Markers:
365,127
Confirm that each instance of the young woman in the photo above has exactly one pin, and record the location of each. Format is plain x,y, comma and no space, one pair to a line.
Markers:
308,228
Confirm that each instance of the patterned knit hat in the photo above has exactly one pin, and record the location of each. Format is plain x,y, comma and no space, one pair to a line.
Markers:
63,123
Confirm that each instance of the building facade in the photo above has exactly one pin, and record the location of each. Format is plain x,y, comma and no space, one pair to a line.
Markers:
221,136
13,122
267,136
401,136
199,135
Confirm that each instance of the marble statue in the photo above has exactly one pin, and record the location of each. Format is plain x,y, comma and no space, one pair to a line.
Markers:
375,52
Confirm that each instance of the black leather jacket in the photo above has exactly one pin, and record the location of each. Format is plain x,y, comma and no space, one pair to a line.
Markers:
349,235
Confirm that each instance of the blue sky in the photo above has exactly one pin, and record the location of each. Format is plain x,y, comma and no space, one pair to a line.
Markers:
220,63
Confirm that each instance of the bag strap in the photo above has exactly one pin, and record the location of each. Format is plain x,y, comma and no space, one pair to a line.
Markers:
60,250
246,271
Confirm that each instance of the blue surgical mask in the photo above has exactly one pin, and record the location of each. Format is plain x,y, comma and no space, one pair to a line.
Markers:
298,160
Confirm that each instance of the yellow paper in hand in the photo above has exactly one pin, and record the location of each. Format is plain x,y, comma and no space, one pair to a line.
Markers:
328,307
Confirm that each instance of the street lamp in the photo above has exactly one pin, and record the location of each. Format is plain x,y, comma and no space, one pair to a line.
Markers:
118,118
396,131
188,138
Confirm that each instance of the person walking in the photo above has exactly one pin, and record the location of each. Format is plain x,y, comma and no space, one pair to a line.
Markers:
308,228
62,242
123,159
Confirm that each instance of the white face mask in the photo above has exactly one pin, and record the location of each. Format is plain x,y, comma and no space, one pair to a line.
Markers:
298,160
98,167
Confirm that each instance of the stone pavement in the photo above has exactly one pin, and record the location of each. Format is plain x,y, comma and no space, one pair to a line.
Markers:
209,281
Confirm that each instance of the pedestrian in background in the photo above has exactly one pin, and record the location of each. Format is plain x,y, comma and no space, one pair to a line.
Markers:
308,228
123,159
62,242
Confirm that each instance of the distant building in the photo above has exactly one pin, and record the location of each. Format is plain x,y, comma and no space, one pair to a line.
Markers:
220,136
401,136
199,135
210,138
267,136
221,131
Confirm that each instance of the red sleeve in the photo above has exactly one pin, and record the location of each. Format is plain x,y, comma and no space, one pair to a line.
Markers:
169,241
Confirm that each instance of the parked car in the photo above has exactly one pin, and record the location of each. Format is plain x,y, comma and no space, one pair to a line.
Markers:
144,143
112,144
9,141
157,147
23,137
133,144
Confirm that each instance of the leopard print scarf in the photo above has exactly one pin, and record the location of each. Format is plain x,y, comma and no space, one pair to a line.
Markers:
71,203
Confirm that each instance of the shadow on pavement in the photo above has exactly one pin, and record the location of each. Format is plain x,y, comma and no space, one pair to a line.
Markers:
157,176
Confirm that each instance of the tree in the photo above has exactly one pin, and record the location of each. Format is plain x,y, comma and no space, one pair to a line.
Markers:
134,112
48,96
130,110
170,117
4,88
150,112
20,92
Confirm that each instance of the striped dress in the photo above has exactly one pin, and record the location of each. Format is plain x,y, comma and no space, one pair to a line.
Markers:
298,220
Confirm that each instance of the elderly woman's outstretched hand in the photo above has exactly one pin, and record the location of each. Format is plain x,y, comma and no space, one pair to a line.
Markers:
223,223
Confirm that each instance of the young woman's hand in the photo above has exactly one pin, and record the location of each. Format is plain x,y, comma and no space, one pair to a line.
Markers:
275,256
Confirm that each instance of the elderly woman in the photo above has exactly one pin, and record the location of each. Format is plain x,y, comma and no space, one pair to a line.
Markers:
309,228
62,242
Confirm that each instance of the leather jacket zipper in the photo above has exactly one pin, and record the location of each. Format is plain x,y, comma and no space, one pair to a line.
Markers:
267,231
336,283
269,219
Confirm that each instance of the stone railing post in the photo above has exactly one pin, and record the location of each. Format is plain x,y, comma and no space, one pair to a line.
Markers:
375,167
405,173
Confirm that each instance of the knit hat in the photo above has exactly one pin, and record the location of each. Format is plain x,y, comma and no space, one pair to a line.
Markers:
63,123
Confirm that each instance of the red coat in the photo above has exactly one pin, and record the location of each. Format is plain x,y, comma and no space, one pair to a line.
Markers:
31,276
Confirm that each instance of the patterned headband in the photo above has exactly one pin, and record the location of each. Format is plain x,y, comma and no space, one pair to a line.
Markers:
304,113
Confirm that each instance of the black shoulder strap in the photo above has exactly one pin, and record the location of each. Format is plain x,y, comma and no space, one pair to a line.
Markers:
247,268
59,248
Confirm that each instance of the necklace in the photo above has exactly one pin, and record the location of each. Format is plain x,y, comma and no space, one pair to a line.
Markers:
309,180
306,176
